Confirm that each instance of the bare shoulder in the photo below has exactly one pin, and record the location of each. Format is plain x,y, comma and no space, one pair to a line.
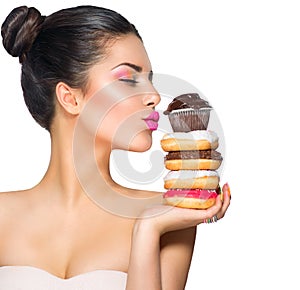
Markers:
12,196
11,203
7,201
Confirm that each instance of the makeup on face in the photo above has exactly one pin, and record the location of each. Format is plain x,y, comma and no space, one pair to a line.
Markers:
128,72
152,120
131,74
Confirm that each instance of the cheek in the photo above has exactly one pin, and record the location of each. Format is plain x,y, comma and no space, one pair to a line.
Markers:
121,125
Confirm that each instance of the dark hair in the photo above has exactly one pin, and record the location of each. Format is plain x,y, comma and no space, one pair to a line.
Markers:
59,47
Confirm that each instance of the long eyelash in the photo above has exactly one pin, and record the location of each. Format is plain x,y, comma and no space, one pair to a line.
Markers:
150,77
129,81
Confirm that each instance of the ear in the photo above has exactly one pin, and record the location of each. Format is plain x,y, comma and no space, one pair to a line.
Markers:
70,99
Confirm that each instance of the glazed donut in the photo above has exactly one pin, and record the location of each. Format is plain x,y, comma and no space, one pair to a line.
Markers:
202,179
194,140
193,159
191,198
193,164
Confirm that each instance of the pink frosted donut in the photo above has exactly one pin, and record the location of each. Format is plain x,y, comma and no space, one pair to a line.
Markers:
191,198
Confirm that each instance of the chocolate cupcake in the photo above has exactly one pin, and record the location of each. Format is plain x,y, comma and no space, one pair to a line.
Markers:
188,112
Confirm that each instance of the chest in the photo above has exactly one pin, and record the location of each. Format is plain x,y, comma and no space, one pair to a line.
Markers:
67,246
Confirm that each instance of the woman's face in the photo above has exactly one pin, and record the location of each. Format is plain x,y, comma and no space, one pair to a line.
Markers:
120,99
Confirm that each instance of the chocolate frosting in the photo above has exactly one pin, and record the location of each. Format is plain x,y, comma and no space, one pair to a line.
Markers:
194,154
185,101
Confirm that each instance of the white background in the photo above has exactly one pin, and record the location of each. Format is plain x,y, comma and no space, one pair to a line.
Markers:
245,57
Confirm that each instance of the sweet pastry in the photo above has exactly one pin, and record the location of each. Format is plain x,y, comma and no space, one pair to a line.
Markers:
195,179
194,140
188,112
192,159
191,198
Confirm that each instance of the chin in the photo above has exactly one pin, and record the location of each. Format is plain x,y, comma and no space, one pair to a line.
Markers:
141,142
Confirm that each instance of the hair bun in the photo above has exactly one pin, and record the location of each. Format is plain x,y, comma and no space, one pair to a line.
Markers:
20,29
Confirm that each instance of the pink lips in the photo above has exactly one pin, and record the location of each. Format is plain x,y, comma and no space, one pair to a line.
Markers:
152,121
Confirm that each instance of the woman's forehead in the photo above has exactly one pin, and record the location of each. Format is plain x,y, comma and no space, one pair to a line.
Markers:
128,49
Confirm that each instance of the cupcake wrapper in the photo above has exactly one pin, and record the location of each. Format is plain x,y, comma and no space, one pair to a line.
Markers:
189,120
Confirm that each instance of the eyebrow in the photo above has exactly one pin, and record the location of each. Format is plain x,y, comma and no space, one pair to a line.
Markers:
134,66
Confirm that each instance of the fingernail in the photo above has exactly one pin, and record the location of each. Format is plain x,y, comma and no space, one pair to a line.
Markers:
228,190
222,196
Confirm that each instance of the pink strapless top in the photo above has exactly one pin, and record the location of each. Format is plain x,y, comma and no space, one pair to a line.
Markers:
32,278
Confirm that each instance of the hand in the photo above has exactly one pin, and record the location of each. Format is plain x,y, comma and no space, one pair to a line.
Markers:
162,218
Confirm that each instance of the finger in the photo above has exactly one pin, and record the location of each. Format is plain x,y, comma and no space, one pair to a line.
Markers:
226,195
213,210
226,190
226,200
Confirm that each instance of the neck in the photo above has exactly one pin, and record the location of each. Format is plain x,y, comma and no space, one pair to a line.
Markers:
71,170
77,172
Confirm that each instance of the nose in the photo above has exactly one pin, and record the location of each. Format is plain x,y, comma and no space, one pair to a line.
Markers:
151,99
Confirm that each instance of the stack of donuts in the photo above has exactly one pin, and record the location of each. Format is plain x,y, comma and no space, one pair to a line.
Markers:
192,159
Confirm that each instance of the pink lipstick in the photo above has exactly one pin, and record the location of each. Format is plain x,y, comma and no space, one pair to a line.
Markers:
152,121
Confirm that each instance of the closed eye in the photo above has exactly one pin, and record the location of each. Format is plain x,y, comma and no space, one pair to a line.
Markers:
130,81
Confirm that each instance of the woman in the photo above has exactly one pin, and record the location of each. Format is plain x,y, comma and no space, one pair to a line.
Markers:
86,78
